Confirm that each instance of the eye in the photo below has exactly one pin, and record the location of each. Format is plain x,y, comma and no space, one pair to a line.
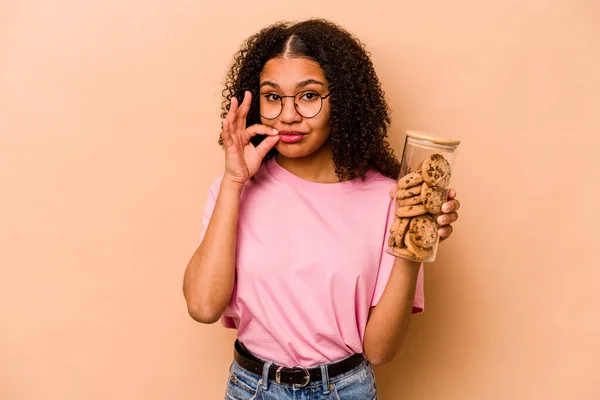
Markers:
272,97
309,96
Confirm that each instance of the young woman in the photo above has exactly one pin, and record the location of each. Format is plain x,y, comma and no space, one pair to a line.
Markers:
292,252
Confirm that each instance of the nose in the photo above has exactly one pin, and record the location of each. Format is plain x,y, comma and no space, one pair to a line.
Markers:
288,113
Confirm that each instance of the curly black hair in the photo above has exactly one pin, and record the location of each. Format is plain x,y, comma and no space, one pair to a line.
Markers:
359,117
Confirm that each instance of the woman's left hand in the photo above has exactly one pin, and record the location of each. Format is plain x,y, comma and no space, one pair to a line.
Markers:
448,216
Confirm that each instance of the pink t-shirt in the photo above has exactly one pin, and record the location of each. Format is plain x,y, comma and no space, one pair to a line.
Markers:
310,263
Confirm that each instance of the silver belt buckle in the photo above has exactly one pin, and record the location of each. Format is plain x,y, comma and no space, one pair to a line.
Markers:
306,378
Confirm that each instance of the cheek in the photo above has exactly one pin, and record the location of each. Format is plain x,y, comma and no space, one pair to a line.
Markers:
321,124
320,132
267,122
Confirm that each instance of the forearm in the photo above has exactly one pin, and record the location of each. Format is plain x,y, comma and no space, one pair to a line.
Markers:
389,321
209,276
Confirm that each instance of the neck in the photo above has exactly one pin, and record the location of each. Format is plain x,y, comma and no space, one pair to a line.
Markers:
317,167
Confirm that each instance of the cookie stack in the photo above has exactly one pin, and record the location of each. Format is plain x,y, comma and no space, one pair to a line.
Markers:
419,199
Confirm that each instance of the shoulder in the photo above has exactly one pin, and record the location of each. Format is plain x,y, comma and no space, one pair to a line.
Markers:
376,181
213,189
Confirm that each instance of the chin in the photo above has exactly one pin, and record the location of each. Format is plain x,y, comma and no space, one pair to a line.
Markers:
293,150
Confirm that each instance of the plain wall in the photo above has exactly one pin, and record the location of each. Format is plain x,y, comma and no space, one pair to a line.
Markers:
109,119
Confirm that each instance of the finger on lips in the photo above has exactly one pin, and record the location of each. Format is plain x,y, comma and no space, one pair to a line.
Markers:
261,130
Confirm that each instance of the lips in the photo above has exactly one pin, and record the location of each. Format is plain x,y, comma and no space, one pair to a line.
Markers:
290,136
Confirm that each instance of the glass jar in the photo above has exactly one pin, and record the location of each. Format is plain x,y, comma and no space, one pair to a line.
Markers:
425,172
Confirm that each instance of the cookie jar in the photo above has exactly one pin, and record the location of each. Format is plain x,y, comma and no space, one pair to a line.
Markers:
423,183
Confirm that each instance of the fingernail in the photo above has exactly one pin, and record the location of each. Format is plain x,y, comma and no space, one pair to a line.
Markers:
441,220
446,208
275,130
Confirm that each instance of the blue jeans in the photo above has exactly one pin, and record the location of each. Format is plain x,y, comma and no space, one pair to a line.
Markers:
356,384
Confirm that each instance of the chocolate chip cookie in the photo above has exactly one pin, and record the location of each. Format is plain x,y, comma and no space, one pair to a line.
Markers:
423,231
398,230
391,240
410,201
410,192
420,254
402,252
410,180
436,171
433,198
411,211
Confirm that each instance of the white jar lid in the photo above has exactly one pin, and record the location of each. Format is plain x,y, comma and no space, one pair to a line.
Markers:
437,140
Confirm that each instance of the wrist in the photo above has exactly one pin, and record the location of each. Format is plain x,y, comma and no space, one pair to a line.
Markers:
229,184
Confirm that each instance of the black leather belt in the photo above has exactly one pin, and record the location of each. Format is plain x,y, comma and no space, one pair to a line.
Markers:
298,376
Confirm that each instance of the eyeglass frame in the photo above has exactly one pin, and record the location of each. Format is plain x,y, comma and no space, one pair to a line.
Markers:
296,105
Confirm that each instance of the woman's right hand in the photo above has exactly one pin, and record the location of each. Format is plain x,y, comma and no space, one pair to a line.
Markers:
242,158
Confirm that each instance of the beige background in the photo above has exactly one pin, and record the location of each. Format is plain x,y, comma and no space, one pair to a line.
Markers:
108,129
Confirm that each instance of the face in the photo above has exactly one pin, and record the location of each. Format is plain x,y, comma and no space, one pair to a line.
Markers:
299,136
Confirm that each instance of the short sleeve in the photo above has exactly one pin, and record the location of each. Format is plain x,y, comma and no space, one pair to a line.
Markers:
385,269
209,206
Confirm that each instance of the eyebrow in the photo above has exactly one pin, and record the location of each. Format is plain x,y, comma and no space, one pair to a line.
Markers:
303,83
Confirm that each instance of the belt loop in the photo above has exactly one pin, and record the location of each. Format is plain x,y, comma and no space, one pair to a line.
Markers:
325,378
265,375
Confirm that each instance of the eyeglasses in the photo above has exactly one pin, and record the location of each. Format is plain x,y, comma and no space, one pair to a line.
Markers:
307,103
